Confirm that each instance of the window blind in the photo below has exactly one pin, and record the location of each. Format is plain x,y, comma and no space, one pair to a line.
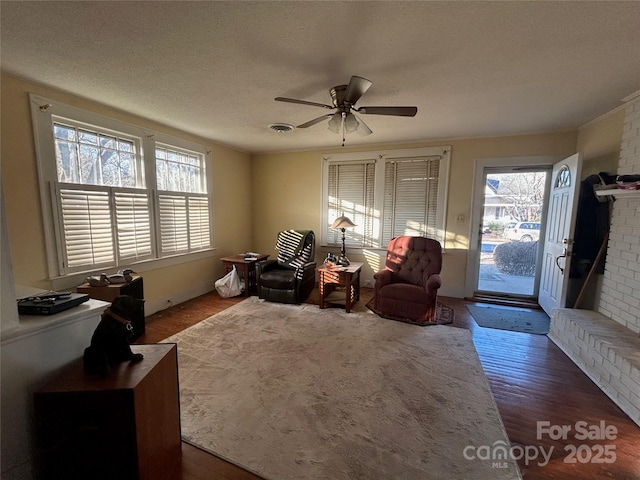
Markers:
350,189
410,198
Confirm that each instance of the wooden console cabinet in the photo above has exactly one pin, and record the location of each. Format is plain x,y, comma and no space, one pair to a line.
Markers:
135,288
125,426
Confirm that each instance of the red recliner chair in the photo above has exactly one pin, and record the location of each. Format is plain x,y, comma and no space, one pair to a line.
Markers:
407,288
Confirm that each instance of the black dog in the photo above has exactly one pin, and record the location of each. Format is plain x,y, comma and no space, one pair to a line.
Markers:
110,341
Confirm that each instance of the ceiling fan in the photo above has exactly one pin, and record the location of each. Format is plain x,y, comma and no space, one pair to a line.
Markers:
343,99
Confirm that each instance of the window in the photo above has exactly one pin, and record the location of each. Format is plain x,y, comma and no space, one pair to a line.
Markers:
386,194
117,194
350,193
183,205
178,171
94,158
411,198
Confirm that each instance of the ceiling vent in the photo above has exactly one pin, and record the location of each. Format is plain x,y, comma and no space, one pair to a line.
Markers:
281,127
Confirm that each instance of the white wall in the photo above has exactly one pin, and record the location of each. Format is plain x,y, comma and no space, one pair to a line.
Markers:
620,297
29,358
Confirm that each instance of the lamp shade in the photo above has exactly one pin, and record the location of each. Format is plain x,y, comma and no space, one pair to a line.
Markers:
342,222
351,123
335,122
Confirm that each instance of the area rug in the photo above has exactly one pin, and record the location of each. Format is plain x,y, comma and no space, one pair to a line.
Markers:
295,392
444,315
510,318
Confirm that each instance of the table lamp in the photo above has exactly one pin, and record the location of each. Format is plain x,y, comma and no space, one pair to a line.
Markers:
342,223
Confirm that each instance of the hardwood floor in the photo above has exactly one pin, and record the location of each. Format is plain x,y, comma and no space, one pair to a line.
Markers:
531,379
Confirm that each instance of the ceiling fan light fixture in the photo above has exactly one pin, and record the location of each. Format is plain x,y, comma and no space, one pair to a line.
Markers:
351,123
344,99
281,127
363,129
335,123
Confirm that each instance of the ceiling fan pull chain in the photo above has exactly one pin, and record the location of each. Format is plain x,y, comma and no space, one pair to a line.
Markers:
344,133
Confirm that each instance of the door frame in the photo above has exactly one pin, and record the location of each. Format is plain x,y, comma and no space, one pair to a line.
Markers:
477,196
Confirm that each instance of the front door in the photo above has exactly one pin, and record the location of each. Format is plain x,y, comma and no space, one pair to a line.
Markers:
560,226
512,208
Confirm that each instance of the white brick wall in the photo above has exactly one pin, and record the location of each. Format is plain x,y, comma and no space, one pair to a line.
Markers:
620,297
605,351
606,344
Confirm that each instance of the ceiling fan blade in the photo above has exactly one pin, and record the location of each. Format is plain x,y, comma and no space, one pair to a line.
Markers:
302,102
397,111
356,88
363,129
315,120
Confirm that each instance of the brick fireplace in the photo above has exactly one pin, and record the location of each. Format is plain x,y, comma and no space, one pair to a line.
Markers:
605,344
620,297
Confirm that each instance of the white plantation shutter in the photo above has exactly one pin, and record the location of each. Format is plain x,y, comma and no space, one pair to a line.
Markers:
133,222
184,222
411,198
199,226
86,227
101,224
350,193
174,236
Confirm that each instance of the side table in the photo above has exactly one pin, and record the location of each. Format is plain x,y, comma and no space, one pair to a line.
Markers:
125,426
246,270
135,288
339,285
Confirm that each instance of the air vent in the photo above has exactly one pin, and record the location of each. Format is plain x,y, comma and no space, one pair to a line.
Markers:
281,127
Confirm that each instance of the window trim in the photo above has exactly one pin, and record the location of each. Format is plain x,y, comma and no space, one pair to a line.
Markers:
380,158
42,111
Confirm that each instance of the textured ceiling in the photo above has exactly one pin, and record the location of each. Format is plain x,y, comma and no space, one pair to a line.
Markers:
214,68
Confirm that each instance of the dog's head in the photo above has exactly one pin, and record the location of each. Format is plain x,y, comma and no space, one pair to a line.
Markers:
125,305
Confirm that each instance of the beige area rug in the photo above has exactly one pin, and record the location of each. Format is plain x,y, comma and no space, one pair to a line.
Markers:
295,392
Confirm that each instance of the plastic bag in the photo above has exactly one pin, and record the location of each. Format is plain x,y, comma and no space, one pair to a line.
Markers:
229,285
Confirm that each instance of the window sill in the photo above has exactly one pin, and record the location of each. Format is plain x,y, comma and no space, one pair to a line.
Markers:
66,282
335,249
327,247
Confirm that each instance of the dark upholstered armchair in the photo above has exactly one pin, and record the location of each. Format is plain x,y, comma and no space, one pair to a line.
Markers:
406,289
290,278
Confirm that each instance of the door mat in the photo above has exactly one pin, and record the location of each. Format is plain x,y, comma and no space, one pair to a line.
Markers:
444,315
510,318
